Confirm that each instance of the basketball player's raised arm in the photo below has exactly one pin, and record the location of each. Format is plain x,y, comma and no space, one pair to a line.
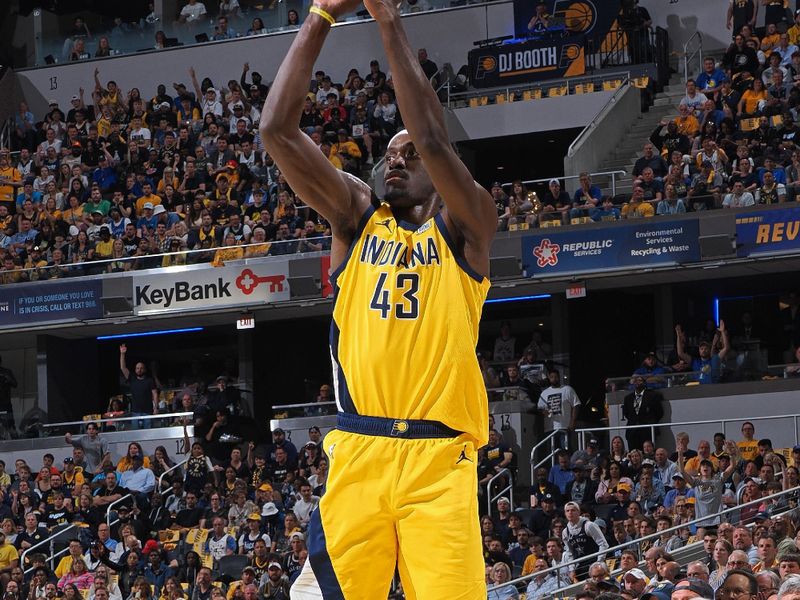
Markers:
340,198
469,206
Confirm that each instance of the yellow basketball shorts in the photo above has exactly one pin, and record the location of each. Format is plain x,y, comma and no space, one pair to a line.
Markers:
399,494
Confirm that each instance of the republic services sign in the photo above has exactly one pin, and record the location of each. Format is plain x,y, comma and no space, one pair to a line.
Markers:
211,287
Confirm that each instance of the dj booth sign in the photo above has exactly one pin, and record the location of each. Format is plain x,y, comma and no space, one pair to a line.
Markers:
522,62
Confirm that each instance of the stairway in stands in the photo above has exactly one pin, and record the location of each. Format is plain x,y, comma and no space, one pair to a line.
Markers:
624,157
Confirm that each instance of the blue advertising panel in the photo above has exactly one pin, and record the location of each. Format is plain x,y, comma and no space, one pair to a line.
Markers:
28,304
641,245
776,230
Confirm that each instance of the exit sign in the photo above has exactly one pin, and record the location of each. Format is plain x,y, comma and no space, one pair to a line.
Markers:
247,321
576,290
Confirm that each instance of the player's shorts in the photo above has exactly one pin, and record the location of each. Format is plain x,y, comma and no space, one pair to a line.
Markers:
399,494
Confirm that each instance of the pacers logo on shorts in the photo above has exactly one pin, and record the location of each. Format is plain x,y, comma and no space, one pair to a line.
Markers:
486,64
399,428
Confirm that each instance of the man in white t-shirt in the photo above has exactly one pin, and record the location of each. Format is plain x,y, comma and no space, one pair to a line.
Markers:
192,12
138,133
693,99
560,403
306,504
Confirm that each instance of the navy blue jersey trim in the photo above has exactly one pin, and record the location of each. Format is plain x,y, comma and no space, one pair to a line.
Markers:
462,262
362,223
342,391
320,559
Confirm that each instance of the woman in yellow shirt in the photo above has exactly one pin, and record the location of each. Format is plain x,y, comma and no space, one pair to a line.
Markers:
748,105
74,214
126,462
229,251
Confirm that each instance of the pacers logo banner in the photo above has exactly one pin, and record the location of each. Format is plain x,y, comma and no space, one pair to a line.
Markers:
509,64
584,17
770,231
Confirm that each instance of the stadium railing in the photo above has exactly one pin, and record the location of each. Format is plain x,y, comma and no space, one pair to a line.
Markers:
654,536
550,439
53,48
503,475
50,542
114,420
592,431
612,175
183,258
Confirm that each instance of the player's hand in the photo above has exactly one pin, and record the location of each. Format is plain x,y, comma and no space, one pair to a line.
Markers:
383,11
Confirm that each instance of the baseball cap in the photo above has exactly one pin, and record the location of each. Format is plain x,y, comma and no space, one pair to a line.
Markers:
97,211
164,105
265,487
249,568
74,97
254,517
762,516
690,500
69,459
150,546
637,573
601,523
278,430
649,461
274,564
623,487
496,184
554,181
548,498
52,102
678,476
158,209
796,448
148,205
253,88
663,591
297,536
232,164
594,442
698,586
503,499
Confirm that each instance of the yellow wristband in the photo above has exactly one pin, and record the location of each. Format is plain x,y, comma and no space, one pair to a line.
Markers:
322,13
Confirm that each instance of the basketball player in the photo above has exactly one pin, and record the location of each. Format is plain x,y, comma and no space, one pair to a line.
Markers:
409,278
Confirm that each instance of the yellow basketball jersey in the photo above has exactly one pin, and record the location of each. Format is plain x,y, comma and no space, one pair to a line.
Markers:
405,326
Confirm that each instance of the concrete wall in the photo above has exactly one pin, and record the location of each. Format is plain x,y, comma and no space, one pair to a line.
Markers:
447,36
547,114
732,403
682,18
613,123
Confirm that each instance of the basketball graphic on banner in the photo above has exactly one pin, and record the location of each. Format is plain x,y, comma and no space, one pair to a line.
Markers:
578,15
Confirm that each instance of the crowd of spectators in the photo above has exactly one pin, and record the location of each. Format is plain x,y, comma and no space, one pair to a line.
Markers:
592,501
133,181
194,21
732,144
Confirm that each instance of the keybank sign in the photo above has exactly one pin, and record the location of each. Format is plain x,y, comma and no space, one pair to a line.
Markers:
211,287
